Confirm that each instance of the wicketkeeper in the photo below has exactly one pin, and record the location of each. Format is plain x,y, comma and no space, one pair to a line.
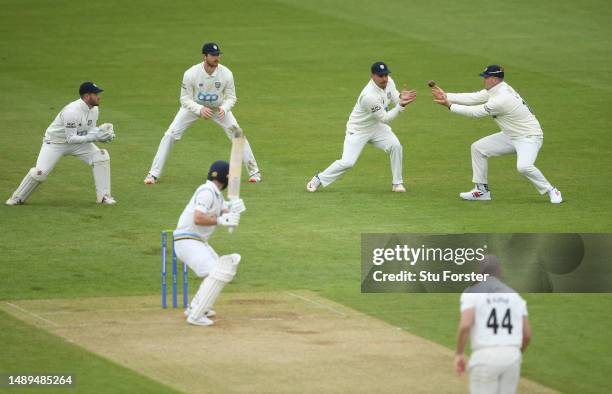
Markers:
73,133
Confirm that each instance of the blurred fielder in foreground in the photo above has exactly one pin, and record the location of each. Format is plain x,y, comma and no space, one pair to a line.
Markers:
207,92
205,211
495,318
368,123
520,132
72,133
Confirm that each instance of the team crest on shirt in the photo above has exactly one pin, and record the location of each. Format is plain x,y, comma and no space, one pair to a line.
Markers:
89,122
217,84
389,95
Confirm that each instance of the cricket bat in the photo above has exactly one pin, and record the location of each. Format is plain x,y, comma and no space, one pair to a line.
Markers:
235,169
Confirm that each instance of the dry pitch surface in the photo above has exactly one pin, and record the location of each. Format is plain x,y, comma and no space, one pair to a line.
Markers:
280,342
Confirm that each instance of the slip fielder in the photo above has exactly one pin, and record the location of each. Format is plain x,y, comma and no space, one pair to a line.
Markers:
368,123
494,317
206,210
72,133
520,132
207,92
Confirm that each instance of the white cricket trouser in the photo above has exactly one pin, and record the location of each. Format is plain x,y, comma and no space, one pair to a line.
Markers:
495,370
50,154
500,144
198,256
181,123
382,138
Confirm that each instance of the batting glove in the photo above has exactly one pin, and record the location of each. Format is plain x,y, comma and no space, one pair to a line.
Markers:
237,206
229,219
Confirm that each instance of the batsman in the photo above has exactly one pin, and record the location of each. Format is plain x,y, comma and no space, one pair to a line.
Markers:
206,210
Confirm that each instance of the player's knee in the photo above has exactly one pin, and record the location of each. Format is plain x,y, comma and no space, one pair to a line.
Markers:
202,272
172,137
524,169
37,174
477,150
100,156
396,146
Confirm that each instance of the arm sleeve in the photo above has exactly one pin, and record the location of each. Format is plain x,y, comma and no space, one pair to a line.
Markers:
468,301
370,103
229,95
490,108
395,99
187,101
480,97
204,201
71,121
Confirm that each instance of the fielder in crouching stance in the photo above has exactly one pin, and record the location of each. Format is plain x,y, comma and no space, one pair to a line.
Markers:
520,132
368,123
207,92
494,316
72,133
205,211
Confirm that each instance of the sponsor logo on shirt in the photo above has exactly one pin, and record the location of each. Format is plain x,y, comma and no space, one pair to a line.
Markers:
376,108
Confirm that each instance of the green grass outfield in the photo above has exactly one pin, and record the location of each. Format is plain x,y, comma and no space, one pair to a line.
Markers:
299,66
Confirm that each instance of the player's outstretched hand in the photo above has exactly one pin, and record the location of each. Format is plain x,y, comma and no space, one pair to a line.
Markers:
460,364
237,206
206,113
407,96
439,96
229,219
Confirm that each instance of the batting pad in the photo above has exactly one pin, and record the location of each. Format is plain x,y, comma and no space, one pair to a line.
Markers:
101,174
211,287
29,183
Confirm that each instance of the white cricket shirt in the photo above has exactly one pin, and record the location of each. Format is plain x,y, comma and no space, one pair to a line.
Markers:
498,316
206,199
504,104
199,89
371,109
71,125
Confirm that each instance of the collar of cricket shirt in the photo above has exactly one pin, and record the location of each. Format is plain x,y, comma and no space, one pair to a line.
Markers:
214,186
84,105
214,73
497,88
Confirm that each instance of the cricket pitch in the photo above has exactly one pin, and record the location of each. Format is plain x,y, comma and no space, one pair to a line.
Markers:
282,342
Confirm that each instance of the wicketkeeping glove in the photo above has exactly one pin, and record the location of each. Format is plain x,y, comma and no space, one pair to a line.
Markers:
229,219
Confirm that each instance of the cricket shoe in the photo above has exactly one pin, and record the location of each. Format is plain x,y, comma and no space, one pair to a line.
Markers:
398,188
208,313
107,200
255,178
555,196
200,321
150,179
476,195
314,184
14,201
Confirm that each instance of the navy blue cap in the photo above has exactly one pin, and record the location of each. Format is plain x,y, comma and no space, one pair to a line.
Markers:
493,70
210,48
89,87
380,68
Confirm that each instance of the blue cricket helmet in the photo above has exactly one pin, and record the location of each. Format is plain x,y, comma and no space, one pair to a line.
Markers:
219,171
